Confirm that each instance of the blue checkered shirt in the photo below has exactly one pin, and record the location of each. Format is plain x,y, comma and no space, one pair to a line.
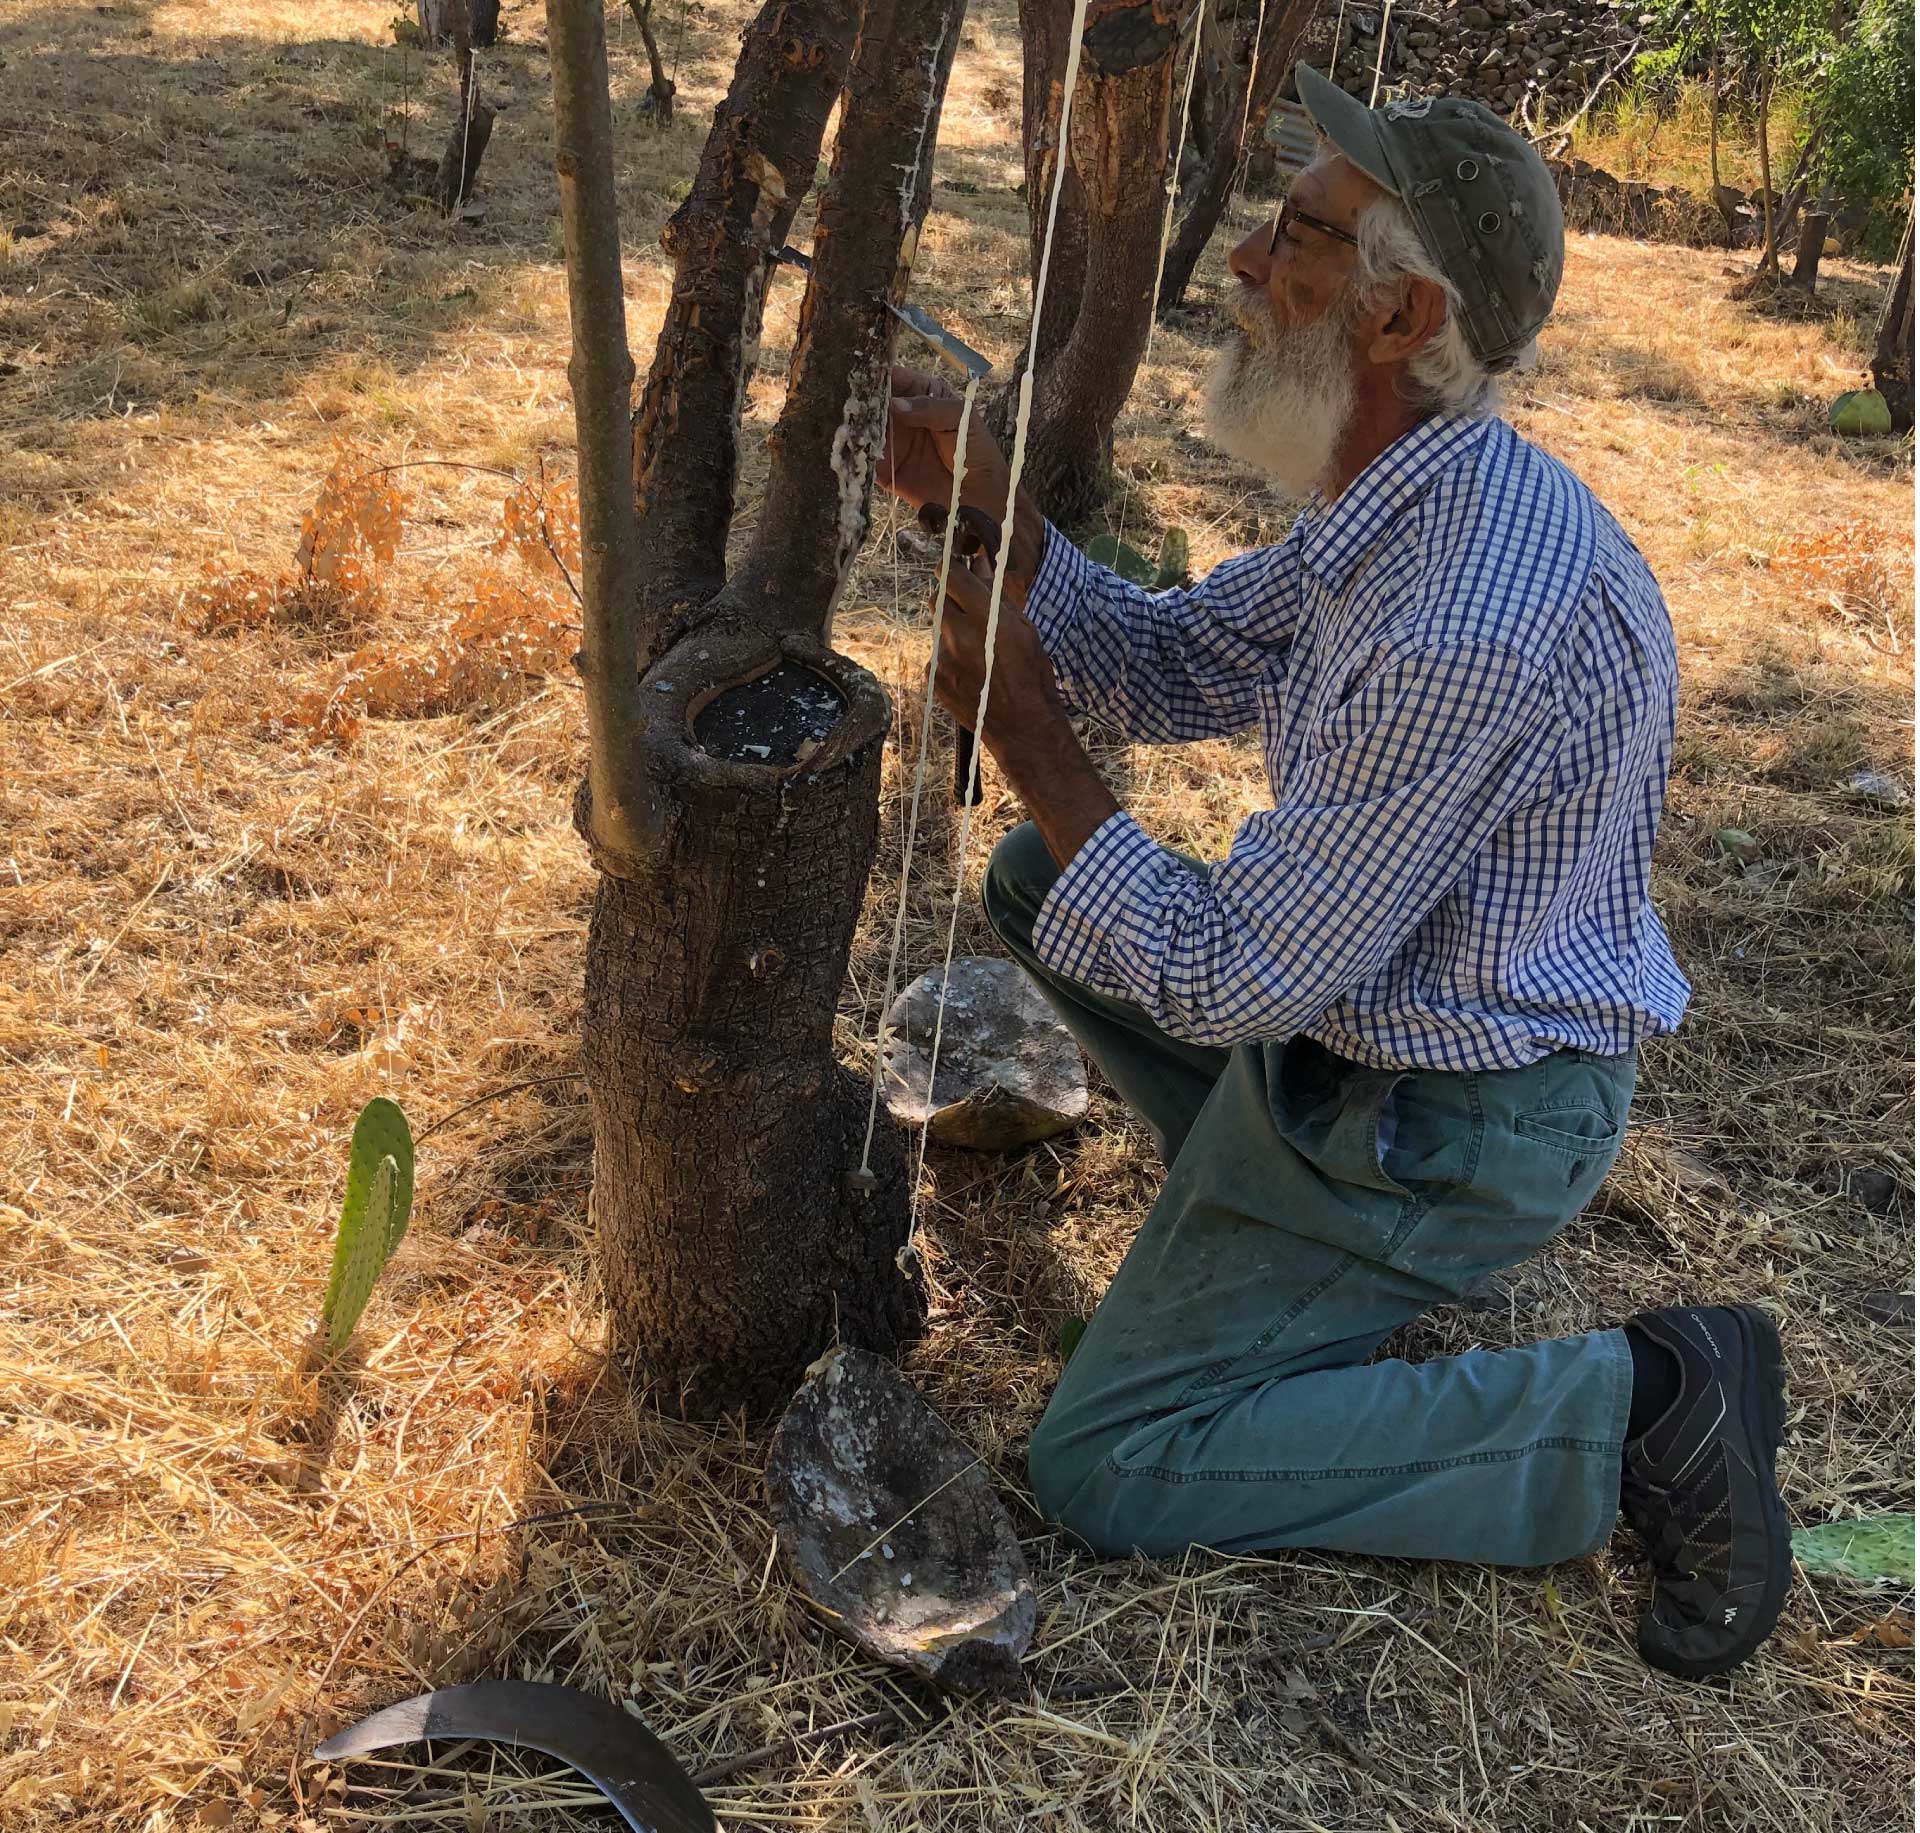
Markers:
1464,681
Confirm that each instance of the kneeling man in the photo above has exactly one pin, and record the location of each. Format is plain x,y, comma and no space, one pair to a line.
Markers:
1387,1044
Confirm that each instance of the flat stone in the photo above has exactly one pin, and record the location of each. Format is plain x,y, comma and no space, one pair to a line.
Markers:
1877,786
893,1531
1009,1072
1894,1309
1878,1190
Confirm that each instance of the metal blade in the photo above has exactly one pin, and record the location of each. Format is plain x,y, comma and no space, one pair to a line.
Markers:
964,355
961,354
609,1747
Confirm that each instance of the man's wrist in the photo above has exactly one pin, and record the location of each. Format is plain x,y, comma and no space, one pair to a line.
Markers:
1029,542
1051,773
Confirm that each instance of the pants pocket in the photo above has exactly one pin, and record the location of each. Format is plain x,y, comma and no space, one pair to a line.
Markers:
1335,1114
1579,1118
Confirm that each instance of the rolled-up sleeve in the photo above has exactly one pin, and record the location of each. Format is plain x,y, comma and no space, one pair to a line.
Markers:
1405,780
1166,667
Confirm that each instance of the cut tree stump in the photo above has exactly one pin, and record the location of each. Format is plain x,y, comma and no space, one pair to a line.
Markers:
1009,1071
1813,244
893,1530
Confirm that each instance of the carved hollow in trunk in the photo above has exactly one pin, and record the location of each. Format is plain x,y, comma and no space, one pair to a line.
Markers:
733,1240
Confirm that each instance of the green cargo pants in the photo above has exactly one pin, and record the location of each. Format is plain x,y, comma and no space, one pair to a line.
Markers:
1221,1396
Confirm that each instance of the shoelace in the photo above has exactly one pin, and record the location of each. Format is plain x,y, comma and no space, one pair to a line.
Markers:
1671,1541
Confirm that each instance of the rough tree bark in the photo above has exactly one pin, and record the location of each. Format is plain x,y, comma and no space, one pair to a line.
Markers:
1893,342
735,1239
1099,302
660,86
1269,60
1813,242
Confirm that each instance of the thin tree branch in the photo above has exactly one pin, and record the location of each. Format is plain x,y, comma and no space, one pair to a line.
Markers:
660,87
601,376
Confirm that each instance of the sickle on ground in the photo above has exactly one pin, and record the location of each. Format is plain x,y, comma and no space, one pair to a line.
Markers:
612,1749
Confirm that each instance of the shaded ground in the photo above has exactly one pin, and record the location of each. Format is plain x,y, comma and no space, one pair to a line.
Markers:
220,944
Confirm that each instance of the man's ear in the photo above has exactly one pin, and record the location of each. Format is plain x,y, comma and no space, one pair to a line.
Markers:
1407,325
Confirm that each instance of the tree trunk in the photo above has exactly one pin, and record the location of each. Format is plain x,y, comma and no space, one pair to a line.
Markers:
737,1232
1286,24
1893,345
452,182
1713,121
756,167
660,86
1044,30
1769,251
733,1243
1093,332
1813,242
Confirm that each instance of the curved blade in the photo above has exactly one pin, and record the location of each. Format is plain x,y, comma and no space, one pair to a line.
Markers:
610,1748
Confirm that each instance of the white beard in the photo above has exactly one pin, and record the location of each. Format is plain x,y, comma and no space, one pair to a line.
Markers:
1279,398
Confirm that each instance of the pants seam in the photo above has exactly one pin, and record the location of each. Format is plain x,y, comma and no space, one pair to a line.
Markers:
1424,1467
1310,1296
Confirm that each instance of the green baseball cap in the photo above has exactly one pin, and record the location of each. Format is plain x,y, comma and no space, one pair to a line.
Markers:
1484,204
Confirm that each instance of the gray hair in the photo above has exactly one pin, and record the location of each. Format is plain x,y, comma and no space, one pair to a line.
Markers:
1446,376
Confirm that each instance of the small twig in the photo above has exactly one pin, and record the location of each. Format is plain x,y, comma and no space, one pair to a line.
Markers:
494,1094
166,872
445,464
794,1741
1567,127
546,537
47,668
1330,1730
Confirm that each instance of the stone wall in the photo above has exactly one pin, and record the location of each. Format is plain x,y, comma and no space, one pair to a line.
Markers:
1531,60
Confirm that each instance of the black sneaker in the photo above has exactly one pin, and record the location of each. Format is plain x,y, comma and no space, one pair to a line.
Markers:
1699,1486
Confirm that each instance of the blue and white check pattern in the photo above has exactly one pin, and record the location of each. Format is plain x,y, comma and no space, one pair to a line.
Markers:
1464,680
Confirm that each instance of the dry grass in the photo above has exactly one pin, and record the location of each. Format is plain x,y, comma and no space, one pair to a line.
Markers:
220,945
1638,133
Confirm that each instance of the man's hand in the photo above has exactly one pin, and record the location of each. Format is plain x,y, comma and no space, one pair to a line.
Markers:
923,431
1027,728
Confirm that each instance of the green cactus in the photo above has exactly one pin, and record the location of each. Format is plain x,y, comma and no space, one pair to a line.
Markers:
1175,566
1122,557
373,1217
1872,1551
1119,557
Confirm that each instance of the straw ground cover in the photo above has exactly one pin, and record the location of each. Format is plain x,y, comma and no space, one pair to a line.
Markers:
219,943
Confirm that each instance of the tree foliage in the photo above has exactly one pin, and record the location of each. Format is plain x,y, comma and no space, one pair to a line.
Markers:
1868,155
1853,62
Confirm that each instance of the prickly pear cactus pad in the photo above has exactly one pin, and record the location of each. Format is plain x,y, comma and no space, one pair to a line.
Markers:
1875,1551
373,1217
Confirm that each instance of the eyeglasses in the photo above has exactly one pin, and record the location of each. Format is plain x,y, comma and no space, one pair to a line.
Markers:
1290,212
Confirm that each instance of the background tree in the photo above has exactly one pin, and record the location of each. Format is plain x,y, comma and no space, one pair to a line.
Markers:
1106,239
1867,155
1893,341
1100,293
1250,58
449,180
731,801
1853,63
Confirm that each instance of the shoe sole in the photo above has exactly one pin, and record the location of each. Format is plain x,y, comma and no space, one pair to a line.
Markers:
1763,1412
